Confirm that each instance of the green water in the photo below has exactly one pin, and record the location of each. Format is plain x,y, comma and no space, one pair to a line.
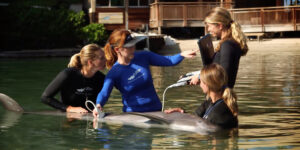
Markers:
268,88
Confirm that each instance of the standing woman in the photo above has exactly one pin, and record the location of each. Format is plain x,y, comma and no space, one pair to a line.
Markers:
130,73
220,107
232,45
82,80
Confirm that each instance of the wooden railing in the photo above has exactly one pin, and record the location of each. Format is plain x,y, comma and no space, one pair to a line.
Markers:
181,14
268,19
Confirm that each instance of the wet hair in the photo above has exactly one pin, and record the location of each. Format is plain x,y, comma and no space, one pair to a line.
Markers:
80,59
214,76
116,39
222,16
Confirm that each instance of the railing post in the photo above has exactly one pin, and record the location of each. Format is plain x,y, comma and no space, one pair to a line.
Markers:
262,20
126,14
92,11
294,18
159,18
184,15
156,14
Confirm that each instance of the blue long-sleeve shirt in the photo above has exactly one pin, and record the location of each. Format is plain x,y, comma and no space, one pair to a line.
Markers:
135,83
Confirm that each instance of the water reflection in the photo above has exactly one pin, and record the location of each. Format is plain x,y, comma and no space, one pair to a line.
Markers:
268,89
112,136
8,120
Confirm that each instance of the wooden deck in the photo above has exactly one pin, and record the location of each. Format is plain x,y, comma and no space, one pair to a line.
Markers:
258,20
268,19
137,17
181,14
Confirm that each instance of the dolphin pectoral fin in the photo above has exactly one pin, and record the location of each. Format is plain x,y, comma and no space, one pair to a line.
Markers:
10,104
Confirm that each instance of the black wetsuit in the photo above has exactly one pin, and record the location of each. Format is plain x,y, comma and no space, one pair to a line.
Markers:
229,57
74,88
217,113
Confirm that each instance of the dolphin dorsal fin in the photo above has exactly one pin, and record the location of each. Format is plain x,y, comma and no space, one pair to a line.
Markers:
151,117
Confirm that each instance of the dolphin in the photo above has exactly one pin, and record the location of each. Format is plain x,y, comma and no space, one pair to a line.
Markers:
175,121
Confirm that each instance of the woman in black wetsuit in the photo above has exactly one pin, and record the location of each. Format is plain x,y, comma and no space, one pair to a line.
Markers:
82,80
221,107
232,45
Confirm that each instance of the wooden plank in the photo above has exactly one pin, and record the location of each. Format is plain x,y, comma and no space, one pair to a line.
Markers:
110,17
294,19
184,15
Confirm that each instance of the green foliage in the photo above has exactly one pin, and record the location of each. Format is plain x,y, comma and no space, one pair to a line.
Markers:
94,33
44,3
27,27
77,20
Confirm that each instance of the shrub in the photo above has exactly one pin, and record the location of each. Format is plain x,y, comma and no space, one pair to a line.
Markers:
27,27
94,33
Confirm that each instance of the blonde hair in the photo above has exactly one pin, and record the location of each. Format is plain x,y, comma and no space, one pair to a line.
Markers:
116,39
222,16
80,59
214,76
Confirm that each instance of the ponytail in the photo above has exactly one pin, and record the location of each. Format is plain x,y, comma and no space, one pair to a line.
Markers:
234,32
75,61
80,59
230,99
238,35
215,77
116,39
110,55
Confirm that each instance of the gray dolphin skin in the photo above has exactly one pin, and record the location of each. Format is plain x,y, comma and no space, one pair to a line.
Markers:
175,121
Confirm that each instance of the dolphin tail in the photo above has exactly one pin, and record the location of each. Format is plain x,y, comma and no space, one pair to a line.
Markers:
10,104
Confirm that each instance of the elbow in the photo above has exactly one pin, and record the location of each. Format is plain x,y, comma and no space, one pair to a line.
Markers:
45,99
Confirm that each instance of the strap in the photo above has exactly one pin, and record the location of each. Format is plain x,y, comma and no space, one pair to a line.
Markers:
211,108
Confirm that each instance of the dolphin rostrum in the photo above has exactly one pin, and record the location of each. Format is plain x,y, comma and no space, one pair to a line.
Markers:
176,120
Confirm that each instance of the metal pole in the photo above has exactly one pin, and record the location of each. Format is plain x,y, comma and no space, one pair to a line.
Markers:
147,40
126,14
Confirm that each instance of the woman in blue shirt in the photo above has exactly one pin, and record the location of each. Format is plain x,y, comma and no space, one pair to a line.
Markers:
130,73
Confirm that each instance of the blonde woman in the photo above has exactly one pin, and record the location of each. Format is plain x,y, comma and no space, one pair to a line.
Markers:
221,107
232,45
82,80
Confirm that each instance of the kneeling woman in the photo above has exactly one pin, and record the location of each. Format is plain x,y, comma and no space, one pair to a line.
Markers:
221,107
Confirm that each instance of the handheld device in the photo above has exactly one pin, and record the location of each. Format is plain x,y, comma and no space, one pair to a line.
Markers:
184,80
206,49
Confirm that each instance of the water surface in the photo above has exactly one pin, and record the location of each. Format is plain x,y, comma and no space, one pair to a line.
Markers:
268,89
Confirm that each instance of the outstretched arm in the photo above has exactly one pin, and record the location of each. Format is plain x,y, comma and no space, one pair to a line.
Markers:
48,96
189,54
103,95
105,92
158,60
